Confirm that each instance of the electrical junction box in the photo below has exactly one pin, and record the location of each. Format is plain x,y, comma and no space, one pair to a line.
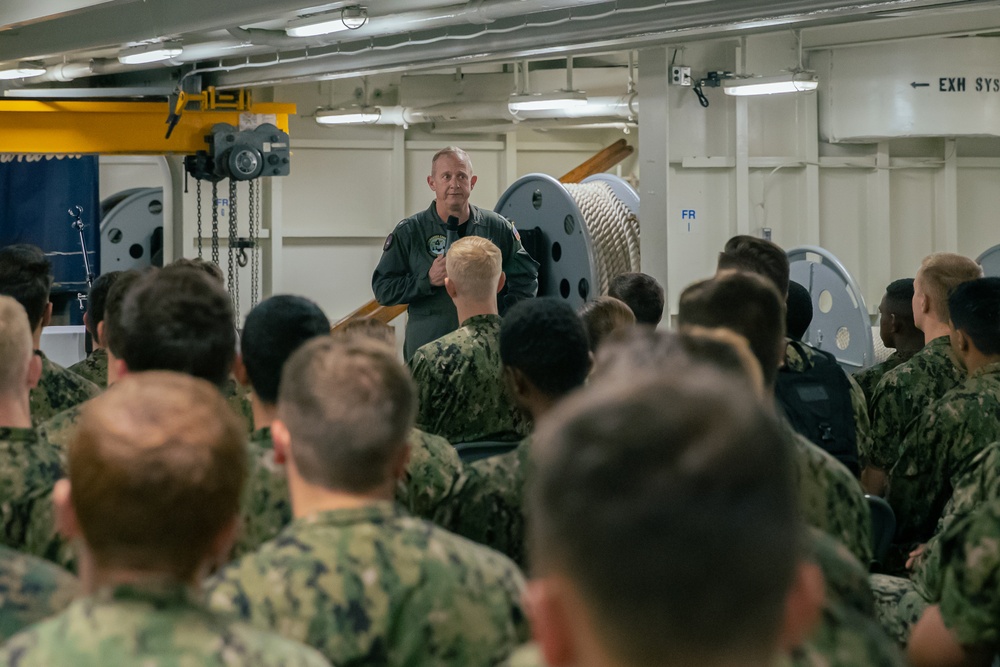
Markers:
680,76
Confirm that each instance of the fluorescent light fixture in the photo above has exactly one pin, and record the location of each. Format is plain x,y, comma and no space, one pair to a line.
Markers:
150,53
792,82
561,99
22,70
351,115
348,18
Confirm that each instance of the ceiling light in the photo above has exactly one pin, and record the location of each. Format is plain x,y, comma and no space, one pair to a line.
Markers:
350,115
348,18
150,53
792,82
561,99
23,70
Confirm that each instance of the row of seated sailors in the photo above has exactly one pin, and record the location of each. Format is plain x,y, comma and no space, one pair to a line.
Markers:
483,501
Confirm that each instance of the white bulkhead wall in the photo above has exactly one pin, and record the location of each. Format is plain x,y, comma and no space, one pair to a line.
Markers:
735,167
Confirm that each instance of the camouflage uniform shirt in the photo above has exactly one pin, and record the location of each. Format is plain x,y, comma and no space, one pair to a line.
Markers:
904,392
128,625
869,378
57,390
970,582
93,368
30,590
425,490
831,498
28,472
462,394
939,450
372,585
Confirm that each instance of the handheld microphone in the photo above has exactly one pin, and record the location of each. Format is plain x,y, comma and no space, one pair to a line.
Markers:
452,232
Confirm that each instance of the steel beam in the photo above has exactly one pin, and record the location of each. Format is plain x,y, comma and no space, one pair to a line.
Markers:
108,128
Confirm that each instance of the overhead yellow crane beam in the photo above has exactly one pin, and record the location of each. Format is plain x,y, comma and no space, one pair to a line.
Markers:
126,128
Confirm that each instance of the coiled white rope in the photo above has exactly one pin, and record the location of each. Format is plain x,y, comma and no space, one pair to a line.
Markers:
613,228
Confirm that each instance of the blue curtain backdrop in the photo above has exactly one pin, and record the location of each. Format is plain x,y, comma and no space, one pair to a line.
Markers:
36,193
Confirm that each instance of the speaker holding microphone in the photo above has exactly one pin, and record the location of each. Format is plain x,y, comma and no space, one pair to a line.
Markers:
451,227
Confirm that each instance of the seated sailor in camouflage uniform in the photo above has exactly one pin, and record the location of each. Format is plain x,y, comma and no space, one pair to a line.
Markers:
353,574
963,627
30,589
461,393
156,469
749,304
274,329
754,255
174,319
95,366
26,275
945,440
638,569
543,347
28,469
906,391
897,331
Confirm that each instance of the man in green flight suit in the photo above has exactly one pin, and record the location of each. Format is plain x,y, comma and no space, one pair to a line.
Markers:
412,268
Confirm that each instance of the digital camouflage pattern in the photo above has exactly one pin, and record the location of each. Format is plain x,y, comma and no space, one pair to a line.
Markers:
939,450
460,388
847,638
903,393
487,506
93,368
372,585
970,582
57,390
869,378
238,398
425,490
846,578
153,628
31,589
58,430
28,472
265,507
859,405
898,605
831,497
431,477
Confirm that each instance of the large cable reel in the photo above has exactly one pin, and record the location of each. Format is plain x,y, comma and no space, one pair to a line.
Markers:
584,233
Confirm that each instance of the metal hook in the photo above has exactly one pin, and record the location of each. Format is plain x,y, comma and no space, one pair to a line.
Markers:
241,258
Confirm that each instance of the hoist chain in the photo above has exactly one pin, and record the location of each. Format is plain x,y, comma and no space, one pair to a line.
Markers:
215,222
234,274
254,236
198,191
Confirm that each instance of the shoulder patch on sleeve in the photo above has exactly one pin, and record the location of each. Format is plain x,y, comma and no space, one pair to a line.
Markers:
388,243
513,228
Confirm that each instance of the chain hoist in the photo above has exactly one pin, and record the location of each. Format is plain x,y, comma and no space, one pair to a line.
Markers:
198,194
232,259
254,215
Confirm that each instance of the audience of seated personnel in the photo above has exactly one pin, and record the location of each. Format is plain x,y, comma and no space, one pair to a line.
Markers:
905,391
605,318
641,293
461,396
95,366
155,473
750,305
353,574
897,332
26,275
948,435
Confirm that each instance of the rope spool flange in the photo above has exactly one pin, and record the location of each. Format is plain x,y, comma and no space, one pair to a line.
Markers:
589,232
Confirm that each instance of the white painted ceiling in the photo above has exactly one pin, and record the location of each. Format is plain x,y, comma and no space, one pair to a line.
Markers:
235,43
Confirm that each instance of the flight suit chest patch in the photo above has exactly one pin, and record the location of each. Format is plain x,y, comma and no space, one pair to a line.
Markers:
435,245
